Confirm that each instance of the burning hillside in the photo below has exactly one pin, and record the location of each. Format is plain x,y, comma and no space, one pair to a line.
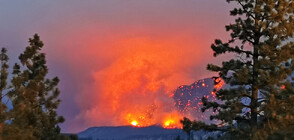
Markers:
187,98
186,101
165,109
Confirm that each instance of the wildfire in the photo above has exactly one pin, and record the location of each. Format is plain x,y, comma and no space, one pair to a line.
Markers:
213,94
170,120
188,98
169,124
138,119
220,83
141,117
144,116
134,123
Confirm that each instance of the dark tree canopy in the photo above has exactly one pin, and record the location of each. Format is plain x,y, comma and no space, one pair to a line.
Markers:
258,102
3,84
33,96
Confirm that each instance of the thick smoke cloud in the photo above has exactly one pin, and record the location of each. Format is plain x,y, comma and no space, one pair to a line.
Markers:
141,78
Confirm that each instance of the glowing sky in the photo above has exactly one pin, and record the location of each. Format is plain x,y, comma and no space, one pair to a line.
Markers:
114,54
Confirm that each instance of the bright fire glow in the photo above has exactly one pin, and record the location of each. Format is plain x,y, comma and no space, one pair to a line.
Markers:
172,120
137,85
220,84
135,89
169,124
213,94
134,123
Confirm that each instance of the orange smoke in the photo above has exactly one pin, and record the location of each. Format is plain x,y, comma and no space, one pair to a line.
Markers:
136,88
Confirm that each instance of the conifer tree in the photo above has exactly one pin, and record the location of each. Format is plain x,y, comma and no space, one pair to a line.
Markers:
280,115
262,41
3,85
34,98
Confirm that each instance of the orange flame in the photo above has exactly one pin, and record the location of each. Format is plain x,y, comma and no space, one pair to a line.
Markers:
134,123
203,84
220,84
138,120
172,120
169,124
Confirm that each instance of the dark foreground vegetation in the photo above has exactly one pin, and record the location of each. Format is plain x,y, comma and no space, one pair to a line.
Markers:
259,101
29,100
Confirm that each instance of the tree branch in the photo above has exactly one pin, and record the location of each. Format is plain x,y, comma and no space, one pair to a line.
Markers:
247,12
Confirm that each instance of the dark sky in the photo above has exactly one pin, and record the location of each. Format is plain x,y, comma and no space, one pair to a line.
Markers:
116,56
